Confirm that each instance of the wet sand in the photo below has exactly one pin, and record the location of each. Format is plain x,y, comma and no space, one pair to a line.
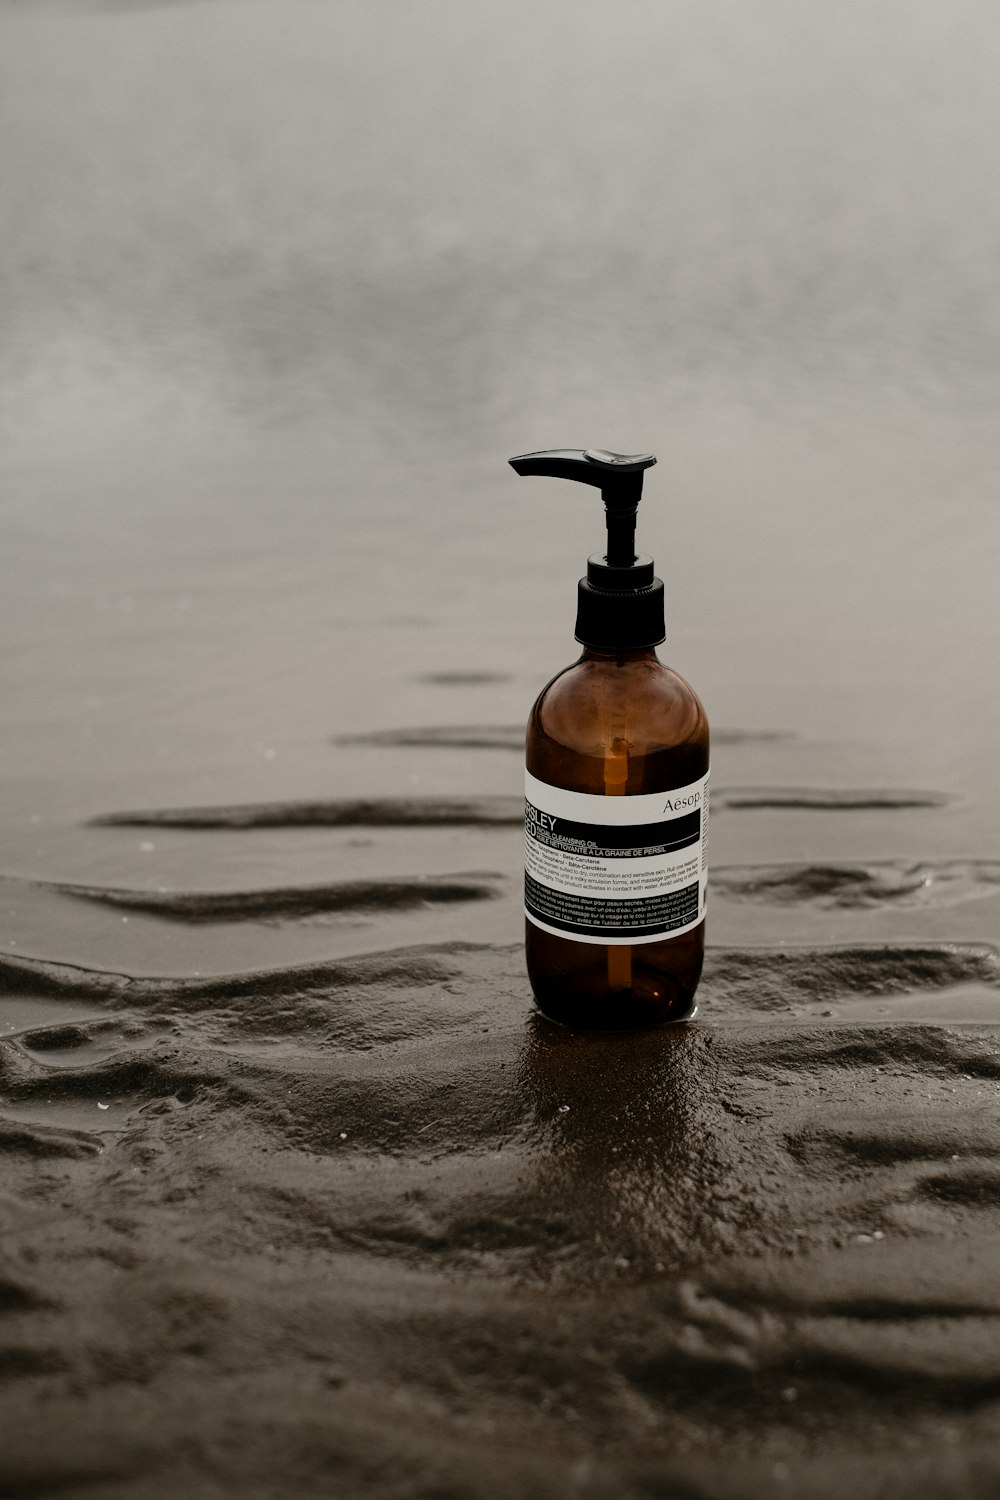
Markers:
371,1226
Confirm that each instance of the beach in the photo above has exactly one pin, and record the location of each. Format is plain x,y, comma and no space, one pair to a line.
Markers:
299,1196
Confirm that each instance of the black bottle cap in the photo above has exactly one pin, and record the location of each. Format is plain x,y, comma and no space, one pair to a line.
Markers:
619,603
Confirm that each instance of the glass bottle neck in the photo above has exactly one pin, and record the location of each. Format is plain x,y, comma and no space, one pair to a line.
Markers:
600,653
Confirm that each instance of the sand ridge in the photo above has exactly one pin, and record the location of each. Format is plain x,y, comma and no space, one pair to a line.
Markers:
384,1221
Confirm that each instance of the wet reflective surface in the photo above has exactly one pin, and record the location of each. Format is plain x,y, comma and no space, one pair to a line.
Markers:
295,1190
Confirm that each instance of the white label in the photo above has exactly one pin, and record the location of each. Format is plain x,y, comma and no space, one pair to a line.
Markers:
615,870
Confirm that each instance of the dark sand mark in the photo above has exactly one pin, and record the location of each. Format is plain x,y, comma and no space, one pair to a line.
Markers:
388,812
477,812
451,736
18,1293
830,799
781,979
464,679
848,1317
509,736
29,1469
867,1140
862,1285
293,903
409,967
933,1051
45,1140
873,884
52,1040
975,1187
161,1068
751,736
351,1004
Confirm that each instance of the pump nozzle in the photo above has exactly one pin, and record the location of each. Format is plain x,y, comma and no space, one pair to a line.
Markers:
618,476
620,602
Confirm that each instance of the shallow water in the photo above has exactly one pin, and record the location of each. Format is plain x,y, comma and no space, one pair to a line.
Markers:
287,285
297,1196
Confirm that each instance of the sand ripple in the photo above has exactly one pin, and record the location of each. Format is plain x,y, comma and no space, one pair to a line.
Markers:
486,811
878,883
291,903
386,812
510,736
394,1223
828,799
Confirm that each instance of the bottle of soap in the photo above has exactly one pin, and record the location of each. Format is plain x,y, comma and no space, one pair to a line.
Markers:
616,790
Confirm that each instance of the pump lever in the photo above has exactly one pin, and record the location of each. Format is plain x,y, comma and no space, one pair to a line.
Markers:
617,475
588,466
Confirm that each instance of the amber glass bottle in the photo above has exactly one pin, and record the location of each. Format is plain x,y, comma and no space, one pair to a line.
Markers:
616,792
617,724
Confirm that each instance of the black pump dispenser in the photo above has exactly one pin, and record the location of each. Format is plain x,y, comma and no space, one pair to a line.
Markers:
619,603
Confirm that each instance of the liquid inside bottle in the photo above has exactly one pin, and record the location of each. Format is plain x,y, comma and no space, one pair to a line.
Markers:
617,724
